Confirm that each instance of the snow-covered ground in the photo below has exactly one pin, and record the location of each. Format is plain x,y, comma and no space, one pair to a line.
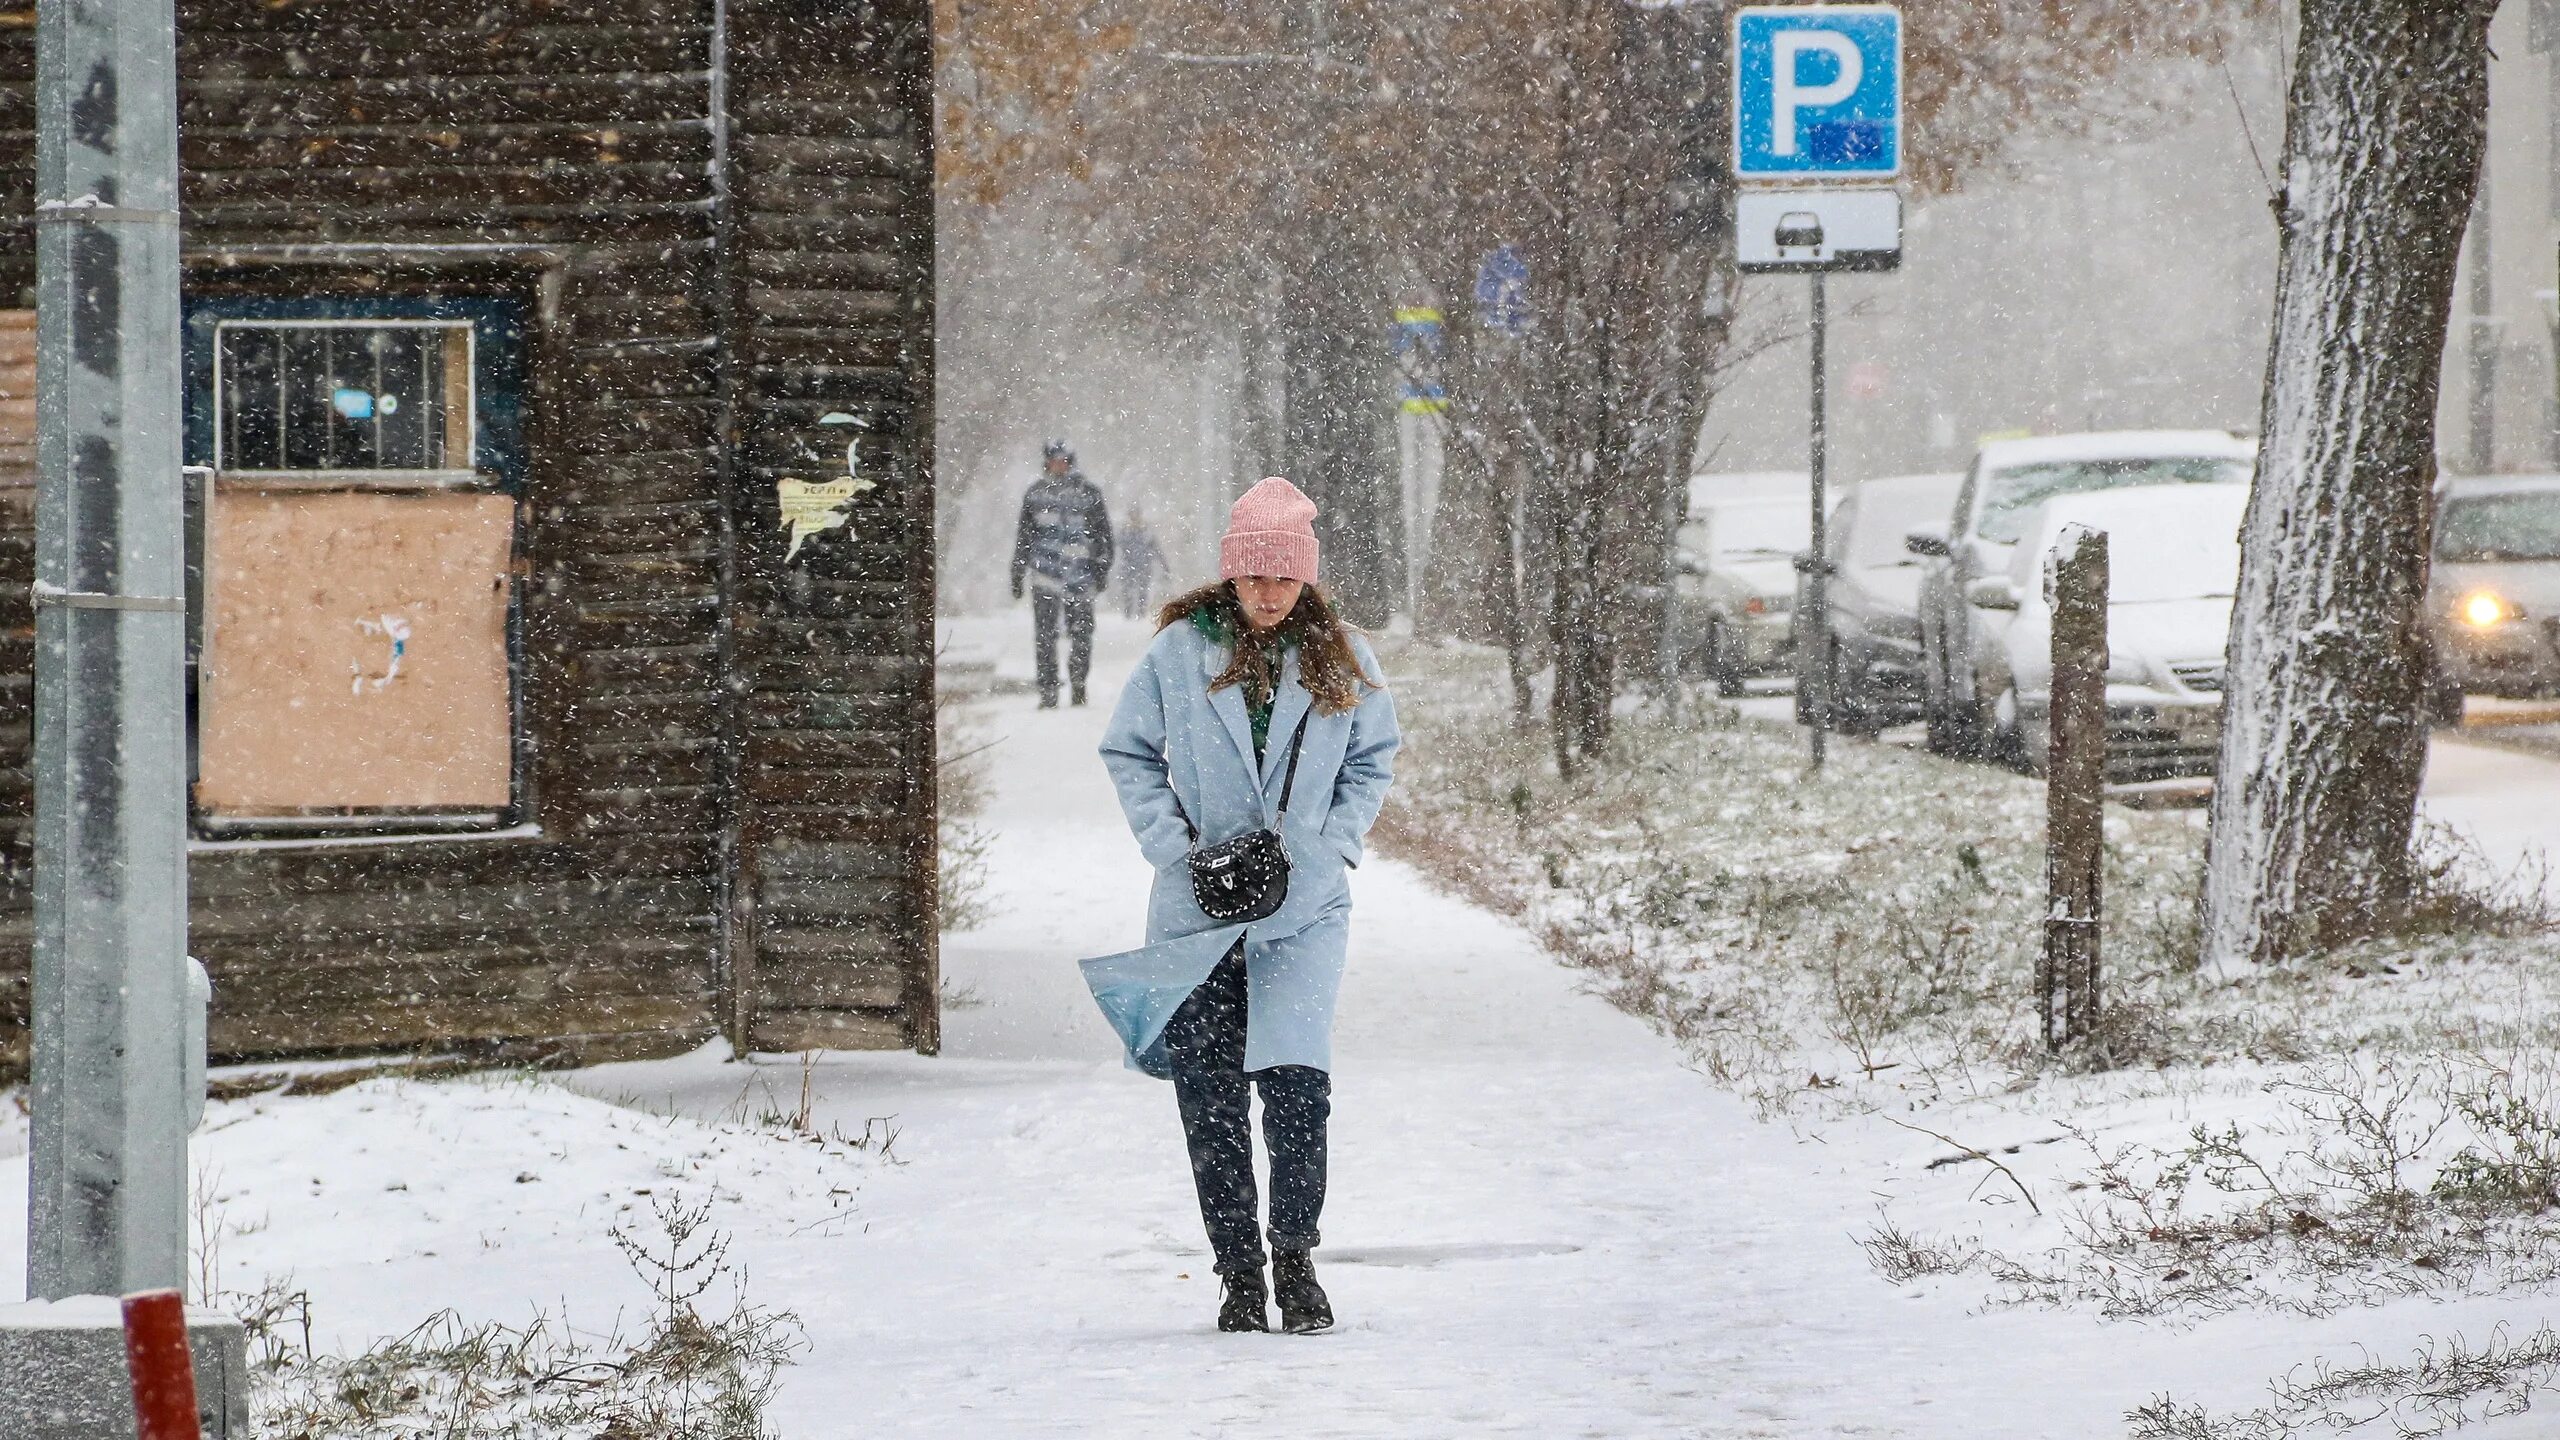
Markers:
1542,1223
2495,781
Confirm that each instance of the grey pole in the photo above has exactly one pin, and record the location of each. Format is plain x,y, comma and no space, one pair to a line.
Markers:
2484,334
107,1173
1816,671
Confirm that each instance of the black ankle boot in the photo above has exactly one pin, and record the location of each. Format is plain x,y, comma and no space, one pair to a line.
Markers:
1240,1306
1304,1310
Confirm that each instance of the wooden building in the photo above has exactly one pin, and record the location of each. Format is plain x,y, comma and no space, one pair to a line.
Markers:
560,675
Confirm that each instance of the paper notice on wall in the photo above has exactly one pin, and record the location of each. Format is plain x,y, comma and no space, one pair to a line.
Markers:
811,507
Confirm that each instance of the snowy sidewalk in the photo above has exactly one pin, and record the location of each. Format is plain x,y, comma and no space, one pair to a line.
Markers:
1540,1224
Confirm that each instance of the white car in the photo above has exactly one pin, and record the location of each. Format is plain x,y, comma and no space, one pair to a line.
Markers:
1736,584
1961,642
2173,565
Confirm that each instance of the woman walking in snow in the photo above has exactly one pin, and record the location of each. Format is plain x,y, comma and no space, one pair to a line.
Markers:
1255,712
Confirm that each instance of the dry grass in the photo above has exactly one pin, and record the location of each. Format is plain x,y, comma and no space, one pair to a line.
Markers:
683,1376
2443,1387
1878,923
2377,1181
961,790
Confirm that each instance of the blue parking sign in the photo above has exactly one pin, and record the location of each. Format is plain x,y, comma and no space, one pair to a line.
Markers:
1817,92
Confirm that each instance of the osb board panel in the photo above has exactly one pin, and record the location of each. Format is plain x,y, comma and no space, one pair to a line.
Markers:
355,653
17,398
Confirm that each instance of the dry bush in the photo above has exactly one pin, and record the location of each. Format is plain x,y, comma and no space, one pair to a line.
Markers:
685,1376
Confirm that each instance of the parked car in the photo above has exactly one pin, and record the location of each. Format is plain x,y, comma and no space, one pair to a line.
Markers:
1965,665
1872,644
2493,597
1715,487
1736,585
2173,565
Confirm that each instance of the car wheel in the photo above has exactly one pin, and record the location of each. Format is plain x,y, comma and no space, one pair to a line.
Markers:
1835,691
1724,667
2006,744
1851,709
1954,725
2444,702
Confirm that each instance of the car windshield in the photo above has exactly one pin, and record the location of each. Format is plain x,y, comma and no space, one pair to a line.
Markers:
2010,495
2490,528
1756,532
1887,513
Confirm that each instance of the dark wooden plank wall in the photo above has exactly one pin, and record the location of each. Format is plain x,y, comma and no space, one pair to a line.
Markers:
832,138
581,127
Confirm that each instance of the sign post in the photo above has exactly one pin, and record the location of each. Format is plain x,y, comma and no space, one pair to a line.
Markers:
1817,142
1419,401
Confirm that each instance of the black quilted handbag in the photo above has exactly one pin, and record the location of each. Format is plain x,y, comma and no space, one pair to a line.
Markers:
1245,879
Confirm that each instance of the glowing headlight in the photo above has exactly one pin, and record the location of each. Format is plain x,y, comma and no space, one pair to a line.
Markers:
2483,608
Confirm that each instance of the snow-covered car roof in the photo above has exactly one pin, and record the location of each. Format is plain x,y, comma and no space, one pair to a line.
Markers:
2467,485
2161,539
1719,488
1946,480
2115,445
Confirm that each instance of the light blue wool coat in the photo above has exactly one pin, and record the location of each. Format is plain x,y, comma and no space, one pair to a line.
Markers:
1176,748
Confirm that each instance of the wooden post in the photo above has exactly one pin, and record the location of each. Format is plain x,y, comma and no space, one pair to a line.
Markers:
2075,780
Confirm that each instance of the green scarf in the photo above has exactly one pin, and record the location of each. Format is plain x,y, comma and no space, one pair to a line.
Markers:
1213,623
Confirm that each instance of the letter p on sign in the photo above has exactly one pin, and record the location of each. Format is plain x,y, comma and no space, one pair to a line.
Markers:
1792,96
1817,92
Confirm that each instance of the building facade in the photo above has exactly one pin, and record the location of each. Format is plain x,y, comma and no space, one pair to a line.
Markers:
559,411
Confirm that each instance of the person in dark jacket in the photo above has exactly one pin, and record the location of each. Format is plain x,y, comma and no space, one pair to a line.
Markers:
1140,559
1062,545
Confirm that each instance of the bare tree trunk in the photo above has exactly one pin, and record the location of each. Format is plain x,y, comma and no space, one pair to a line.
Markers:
2322,748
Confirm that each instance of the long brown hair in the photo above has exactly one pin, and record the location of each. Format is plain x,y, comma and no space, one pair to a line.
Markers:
1327,665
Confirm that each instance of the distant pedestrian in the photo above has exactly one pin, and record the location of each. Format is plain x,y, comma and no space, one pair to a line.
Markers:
1062,545
1256,710
1139,559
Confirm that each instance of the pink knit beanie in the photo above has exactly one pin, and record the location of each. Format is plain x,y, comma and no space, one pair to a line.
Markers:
1271,531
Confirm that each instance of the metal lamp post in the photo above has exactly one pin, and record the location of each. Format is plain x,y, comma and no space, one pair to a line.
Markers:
107,1171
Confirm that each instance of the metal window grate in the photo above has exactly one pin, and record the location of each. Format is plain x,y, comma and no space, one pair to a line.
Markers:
343,395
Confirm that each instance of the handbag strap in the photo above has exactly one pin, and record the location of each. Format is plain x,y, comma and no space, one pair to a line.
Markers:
1296,741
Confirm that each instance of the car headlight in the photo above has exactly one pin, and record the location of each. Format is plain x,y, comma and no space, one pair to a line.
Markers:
2486,610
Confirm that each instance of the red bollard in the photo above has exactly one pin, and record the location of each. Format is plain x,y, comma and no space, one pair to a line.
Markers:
164,1374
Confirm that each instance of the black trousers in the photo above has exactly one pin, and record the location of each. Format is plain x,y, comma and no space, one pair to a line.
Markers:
1048,607
1205,1040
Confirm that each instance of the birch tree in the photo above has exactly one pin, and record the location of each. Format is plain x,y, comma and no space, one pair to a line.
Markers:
2322,747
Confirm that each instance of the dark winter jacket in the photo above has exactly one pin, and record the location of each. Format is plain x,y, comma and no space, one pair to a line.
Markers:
1140,557
1064,535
